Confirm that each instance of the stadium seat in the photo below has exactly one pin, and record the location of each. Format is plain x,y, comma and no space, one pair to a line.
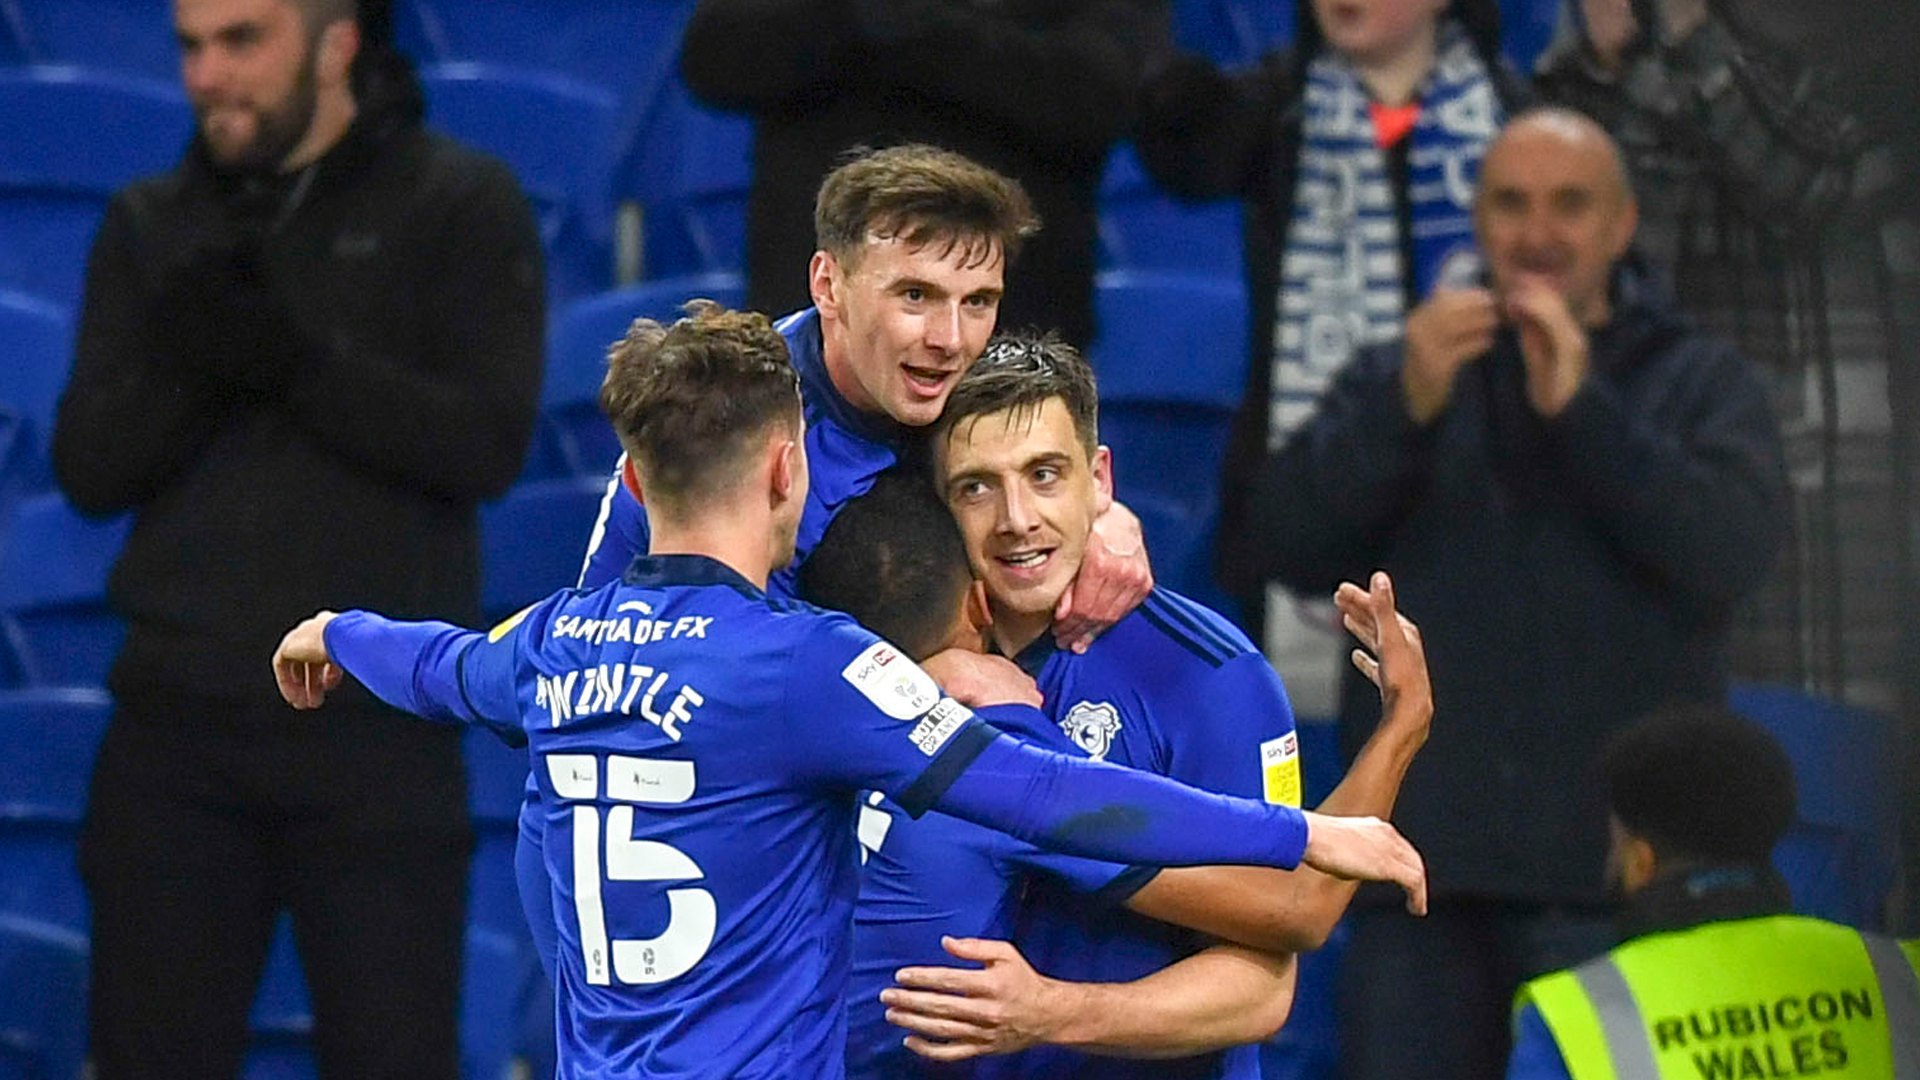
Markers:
130,36
69,138
43,999
1143,228
621,46
573,438
48,738
1840,856
1171,357
690,167
55,626
532,541
36,337
558,135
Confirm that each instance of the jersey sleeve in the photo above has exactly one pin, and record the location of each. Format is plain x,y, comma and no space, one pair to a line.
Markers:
1106,881
1536,1055
1241,735
620,533
870,717
435,670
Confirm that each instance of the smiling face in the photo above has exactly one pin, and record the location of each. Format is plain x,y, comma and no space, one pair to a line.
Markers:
1554,207
901,323
1026,492
1376,31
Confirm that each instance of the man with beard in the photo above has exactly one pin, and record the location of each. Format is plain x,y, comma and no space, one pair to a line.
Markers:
322,306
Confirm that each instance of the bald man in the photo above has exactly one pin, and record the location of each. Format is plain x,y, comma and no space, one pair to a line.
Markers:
1571,485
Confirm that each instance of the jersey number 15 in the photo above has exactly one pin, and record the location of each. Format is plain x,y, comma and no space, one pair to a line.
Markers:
630,781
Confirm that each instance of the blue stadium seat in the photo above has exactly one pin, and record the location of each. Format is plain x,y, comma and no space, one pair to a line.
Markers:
1171,357
43,999
130,36
55,626
1143,228
573,438
622,46
690,167
532,541
69,138
558,135
1840,856
36,338
48,738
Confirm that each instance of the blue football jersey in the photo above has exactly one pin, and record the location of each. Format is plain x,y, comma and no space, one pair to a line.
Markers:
1178,690
938,876
698,750
846,449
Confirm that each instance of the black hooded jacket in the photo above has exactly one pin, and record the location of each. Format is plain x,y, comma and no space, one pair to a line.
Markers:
301,385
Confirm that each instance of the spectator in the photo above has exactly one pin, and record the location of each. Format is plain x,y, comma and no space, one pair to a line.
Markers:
305,354
1037,91
1571,485
1716,978
1355,154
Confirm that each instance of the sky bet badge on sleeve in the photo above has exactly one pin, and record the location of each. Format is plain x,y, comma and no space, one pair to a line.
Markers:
1280,769
892,682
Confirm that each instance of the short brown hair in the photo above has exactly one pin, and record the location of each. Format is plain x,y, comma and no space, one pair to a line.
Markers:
921,195
1023,369
688,399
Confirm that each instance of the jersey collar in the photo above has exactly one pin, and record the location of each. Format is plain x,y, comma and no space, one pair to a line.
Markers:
822,398
665,570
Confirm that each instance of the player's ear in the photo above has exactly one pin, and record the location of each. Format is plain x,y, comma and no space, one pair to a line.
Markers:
786,469
979,613
630,479
823,282
1102,479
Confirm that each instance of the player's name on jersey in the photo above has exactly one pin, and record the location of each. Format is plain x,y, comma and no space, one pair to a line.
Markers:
628,689
639,631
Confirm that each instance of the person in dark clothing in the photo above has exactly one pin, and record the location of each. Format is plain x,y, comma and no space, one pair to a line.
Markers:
1698,800
1038,90
305,355
1572,485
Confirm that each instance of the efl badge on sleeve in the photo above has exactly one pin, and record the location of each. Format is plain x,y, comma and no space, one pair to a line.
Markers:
1280,769
1092,727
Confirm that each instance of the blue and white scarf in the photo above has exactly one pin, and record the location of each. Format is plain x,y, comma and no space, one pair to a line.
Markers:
1341,275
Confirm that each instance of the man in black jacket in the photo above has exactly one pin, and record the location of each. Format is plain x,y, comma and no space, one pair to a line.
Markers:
305,354
1572,486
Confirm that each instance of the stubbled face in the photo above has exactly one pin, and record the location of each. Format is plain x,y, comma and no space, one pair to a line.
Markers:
1552,209
1025,494
248,69
1376,30
910,321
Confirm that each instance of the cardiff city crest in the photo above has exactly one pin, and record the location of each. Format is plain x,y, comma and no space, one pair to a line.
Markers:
1092,727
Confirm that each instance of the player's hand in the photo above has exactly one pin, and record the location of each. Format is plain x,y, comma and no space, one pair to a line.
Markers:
956,1013
1452,327
1366,849
1114,577
1553,343
977,680
1391,655
301,665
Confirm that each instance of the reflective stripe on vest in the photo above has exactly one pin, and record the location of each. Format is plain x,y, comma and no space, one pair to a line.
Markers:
1780,996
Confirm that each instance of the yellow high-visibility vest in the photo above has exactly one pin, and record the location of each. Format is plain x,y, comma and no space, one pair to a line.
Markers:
1769,998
